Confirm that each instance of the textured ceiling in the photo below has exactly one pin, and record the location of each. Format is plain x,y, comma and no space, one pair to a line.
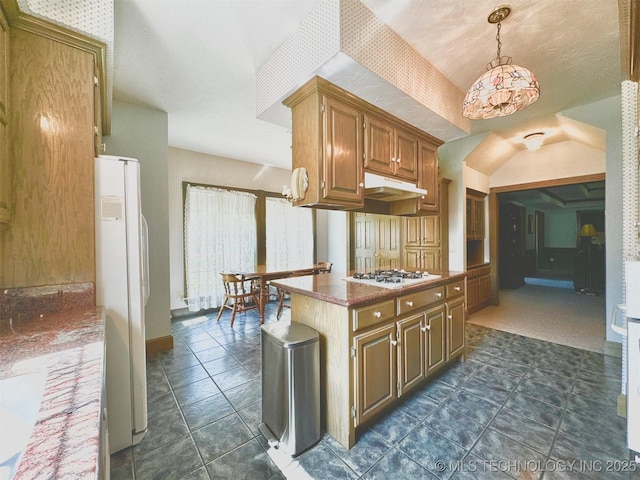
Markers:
198,61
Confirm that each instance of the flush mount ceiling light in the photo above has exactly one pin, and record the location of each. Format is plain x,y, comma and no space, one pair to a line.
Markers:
504,88
533,141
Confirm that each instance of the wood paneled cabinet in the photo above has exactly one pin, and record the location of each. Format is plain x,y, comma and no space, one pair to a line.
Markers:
399,349
390,150
336,136
478,287
428,178
475,217
377,242
327,142
422,243
376,370
5,184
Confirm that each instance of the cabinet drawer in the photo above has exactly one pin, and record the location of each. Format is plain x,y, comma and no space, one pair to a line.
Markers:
454,289
412,301
373,314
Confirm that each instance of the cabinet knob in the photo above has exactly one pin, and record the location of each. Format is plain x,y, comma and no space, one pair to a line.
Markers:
410,303
438,294
425,328
457,289
450,317
394,342
361,184
377,314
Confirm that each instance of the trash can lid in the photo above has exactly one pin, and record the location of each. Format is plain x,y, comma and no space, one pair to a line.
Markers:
290,335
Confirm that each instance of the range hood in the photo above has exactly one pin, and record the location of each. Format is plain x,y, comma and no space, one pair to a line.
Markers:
385,189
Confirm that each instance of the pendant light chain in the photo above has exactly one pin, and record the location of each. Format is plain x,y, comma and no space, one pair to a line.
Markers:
498,39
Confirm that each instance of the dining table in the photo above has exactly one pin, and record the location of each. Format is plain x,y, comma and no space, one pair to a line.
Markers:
262,274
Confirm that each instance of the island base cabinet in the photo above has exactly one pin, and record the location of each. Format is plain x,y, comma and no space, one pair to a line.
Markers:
455,327
411,352
435,343
375,365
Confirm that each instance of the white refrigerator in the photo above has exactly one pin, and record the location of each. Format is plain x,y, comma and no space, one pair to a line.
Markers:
122,288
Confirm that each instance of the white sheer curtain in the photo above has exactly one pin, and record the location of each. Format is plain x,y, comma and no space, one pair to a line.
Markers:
289,234
219,234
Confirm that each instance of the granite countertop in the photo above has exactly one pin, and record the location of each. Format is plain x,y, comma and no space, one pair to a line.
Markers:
69,347
333,288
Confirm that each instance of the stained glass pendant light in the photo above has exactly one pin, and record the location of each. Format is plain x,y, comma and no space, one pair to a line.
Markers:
505,88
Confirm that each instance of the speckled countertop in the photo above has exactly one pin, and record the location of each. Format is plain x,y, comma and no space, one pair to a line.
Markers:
69,347
333,288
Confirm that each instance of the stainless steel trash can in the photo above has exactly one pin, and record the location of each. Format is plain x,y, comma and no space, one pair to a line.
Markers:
290,386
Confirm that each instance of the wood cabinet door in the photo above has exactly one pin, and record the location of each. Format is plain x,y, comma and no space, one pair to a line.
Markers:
411,353
455,327
375,371
430,228
342,156
378,146
406,156
484,288
431,259
365,242
435,338
387,242
412,258
412,231
472,293
471,232
478,218
428,177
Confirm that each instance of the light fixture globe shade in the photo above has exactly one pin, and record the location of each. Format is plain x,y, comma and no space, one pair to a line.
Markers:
501,91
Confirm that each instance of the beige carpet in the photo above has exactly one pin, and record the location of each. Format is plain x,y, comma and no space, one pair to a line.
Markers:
556,315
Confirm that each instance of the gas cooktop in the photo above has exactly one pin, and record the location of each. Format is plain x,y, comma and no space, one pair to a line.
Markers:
391,278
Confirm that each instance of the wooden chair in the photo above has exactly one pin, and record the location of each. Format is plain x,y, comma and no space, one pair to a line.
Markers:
240,294
325,267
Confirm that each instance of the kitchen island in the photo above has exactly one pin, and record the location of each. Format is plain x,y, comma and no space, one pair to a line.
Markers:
377,343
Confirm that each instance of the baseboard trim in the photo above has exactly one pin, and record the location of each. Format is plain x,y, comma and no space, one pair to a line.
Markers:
161,344
613,349
622,405
181,313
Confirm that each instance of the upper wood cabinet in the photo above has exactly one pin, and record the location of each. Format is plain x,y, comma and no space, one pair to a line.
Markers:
475,216
341,167
389,150
327,141
336,136
428,177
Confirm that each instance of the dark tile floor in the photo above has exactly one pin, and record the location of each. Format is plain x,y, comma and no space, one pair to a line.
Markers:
518,407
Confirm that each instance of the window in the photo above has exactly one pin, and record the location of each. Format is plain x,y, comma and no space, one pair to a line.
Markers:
220,234
289,234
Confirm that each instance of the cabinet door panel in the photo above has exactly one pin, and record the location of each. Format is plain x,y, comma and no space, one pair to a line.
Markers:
431,259
343,173
455,327
376,367
412,231
406,156
428,177
472,293
412,259
430,231
411,351
378,150
484,288
435,343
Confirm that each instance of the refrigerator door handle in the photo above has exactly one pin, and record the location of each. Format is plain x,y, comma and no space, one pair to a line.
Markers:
145,259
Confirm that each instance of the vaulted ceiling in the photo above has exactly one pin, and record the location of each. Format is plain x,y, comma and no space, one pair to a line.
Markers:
198,61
